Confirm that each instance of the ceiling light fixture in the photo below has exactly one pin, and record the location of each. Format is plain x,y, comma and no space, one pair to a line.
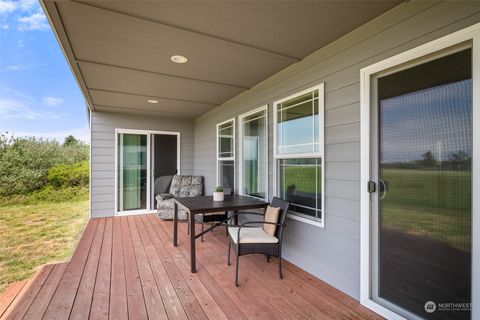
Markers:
152,101
178,59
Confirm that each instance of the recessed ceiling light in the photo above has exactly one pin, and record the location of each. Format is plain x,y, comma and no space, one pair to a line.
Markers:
178,59
152,101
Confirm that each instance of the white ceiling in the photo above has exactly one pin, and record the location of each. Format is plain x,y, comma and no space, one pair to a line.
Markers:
120,51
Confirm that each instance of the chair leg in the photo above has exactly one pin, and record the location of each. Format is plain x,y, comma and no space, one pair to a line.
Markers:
268,258
226,229
236,270
211,230
202,231
229,246
280,266
188,226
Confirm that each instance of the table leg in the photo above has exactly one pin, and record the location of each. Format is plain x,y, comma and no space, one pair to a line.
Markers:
236,217
193,262
175,223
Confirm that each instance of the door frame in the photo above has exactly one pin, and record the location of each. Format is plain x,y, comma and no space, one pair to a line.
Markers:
148,133
472,34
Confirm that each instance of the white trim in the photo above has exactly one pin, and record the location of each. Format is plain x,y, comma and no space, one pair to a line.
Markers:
305,220
263,108
148,133
320,154
217,159
90,164
471,33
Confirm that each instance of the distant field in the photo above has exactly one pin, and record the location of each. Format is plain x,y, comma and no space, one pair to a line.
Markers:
35,234
303,178
436,204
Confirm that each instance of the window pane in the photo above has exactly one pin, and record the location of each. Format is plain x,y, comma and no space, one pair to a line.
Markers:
255,155
132,171
226,173
300,183
297,124
225,140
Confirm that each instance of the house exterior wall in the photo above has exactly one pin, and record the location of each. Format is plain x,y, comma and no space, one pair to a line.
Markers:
102,126
332,253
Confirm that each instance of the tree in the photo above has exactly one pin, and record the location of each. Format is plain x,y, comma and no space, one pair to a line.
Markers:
427,159
70,141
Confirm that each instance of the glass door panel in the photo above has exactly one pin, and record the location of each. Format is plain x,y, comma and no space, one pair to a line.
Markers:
132,171
422,224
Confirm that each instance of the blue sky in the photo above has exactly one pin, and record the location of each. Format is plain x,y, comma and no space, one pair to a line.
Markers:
38,93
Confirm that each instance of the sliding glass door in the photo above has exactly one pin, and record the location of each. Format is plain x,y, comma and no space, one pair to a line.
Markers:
422,212
146,163
132,171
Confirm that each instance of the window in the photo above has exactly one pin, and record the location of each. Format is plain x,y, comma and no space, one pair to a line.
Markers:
226,154
254,153
298,153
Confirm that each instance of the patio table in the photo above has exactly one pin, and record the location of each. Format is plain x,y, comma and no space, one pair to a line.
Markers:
205,204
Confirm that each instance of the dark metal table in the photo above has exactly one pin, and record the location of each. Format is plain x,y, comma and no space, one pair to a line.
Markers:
198,205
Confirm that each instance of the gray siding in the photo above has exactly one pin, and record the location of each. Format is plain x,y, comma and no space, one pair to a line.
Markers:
103,125
333,253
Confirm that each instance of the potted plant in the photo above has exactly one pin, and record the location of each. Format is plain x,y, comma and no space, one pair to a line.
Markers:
218,194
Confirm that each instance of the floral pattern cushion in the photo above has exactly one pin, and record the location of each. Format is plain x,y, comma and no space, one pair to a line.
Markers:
181,187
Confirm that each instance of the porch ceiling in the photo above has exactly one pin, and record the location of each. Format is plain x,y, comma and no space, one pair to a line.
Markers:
120,51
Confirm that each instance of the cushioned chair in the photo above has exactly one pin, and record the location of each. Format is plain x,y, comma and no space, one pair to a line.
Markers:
250,237
181,187
214,217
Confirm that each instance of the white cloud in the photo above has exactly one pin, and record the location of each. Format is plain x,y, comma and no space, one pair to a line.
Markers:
52,101
5,27
16,105
82,134
7,6
11,109
36,21
27,5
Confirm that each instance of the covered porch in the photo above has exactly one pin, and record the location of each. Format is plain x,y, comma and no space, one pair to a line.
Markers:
127,268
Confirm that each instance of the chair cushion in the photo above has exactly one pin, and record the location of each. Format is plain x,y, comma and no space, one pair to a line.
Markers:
162,183
251,235
163,196
271,215
186,186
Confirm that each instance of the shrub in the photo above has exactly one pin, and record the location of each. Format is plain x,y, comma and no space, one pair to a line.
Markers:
24,162
69,175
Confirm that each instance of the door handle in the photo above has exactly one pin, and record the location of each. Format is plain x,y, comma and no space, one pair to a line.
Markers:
383,188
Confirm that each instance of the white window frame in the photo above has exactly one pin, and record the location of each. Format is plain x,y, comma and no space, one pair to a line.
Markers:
148,133
471,33
240,151
320,154
232,158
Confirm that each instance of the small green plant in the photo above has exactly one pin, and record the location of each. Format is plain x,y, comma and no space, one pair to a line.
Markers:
219,189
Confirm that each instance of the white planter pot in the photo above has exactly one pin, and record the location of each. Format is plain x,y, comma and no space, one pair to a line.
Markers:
218,196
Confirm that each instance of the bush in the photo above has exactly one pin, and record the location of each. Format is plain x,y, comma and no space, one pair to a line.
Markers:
47,194
69,175
24,162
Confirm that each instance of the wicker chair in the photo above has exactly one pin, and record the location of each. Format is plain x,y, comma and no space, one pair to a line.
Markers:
248,240
214,217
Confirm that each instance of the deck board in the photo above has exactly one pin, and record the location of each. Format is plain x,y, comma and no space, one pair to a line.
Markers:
127,268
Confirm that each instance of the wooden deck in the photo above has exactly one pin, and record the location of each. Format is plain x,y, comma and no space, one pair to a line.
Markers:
127,268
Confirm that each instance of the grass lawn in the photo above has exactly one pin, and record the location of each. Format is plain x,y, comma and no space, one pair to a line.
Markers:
33,234
435,204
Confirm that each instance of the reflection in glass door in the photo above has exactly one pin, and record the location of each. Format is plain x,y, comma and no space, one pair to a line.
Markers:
132,172
423,165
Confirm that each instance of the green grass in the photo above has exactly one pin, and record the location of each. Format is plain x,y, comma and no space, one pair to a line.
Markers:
35,231
434,204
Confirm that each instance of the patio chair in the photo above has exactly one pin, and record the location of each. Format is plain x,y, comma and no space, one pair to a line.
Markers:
248,239
214,217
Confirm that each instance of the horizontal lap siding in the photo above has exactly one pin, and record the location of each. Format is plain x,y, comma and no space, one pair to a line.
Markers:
103,125
333,253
